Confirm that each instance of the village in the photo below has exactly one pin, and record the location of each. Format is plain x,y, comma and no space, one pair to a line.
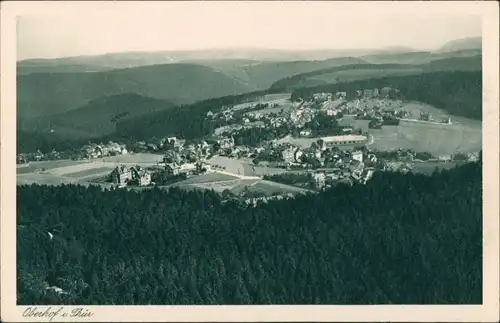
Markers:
308,137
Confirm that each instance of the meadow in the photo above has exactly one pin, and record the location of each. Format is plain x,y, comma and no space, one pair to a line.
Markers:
141,158
47,165
64,172
463,135
222,182
98,171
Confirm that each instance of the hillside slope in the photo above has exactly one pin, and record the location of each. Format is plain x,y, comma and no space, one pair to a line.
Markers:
98,117
417,57
46,94
356,72
458,92
60,68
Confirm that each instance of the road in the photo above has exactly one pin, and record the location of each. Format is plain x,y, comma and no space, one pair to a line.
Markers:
236,175
423,121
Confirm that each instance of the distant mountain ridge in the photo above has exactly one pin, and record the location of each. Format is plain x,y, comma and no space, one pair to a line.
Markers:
468,43
134,59
52,93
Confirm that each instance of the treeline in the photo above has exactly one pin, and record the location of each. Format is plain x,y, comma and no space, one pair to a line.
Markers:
29,142
46,142
291,178
400,239
472,63
459,93
290,82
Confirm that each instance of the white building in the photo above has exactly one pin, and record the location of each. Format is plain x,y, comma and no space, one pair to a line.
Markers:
332,112
357,155
305,133
344,140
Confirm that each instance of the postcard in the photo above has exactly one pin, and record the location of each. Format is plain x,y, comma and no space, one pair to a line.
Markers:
249,161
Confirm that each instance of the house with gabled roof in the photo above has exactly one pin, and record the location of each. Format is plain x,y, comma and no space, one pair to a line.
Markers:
121,175
140,176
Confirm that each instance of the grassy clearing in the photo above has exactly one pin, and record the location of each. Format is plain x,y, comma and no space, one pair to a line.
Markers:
436,139
50,164
207,178
261,171
43,179
464,135
231,165
142,158
89,172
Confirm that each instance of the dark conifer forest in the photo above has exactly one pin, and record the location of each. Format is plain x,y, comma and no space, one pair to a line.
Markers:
400,239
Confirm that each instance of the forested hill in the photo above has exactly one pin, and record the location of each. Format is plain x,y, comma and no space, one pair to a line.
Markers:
98,117
45,94
400,239
459,92
356,72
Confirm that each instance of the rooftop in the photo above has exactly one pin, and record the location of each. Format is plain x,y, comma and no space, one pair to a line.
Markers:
344,138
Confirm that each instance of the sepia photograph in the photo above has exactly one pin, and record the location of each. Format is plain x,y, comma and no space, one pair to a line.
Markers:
305,155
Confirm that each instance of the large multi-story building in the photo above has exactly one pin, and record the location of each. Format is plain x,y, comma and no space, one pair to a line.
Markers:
140,176
121,175
344,140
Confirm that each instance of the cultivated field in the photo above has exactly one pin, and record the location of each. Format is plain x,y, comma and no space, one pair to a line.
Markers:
238,186
81,172
435,139
207,178
270,188
43,179
142,159
231,165
463,135
261,171
47,165
94,172
243,166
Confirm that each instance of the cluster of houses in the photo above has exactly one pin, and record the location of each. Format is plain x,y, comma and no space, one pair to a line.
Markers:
93,150
345,166
25,158
332,104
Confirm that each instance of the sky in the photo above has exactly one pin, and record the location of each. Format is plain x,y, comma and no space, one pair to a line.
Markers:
79,28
